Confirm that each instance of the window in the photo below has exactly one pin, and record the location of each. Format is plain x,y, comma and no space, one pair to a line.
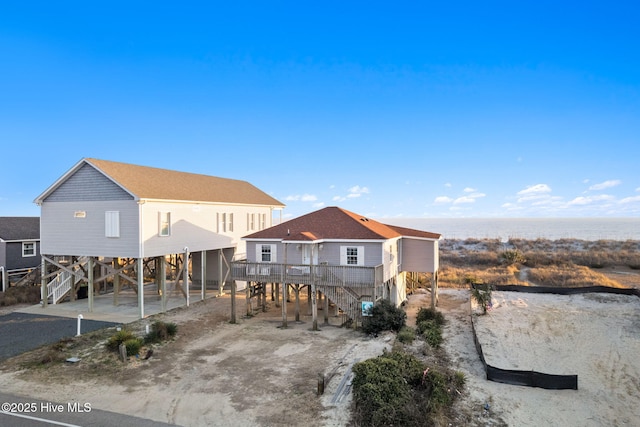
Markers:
224,222
28,249
230,222
164,222
251,221
352,255
266,253
112,224
263,222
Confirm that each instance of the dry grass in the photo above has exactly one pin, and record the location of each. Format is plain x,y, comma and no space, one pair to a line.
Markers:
19,295
565,262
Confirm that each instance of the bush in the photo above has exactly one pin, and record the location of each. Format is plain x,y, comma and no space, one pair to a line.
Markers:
431,332
380,392
113,343
133,346
512,256
406,335
161,331
429,314
397,389
384,316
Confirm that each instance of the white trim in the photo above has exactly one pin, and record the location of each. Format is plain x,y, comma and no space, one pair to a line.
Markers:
161,215
273,253
35,249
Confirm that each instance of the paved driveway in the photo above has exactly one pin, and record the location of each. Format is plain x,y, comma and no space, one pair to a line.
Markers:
21,332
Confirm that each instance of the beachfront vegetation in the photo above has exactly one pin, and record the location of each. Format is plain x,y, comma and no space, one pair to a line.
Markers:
566,262
407,387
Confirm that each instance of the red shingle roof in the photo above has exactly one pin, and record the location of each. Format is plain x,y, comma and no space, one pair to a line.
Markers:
336,223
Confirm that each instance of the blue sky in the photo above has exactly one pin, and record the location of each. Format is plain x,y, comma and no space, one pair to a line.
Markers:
388,109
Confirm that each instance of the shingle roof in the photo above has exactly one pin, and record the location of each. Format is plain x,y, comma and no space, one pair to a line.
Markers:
162,184
19,228
336,223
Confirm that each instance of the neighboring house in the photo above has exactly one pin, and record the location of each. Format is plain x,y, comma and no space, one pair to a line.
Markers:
119,215
19,247
351,259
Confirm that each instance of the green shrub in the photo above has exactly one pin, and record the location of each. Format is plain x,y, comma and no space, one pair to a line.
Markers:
380,391
161,331
429,314
406,335
431,331
113,343
133,346
384,316
397,389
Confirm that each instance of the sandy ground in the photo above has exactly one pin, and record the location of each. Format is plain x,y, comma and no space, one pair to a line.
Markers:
256,373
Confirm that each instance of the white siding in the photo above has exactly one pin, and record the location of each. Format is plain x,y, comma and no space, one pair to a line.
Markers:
195,226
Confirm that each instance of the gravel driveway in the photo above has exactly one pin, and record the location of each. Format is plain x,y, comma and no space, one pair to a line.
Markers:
21,332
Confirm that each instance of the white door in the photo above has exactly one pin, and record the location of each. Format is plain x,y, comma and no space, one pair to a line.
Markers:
307,251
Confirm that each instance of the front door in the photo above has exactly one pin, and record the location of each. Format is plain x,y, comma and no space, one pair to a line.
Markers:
307,252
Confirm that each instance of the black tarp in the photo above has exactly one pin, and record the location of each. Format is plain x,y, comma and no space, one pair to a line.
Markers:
533,378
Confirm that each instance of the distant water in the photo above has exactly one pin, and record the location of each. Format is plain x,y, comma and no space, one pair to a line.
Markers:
526,228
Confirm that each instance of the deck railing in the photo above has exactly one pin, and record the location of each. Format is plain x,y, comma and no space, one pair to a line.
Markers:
319,275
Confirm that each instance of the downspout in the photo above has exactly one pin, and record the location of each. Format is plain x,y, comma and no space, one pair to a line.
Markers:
4,279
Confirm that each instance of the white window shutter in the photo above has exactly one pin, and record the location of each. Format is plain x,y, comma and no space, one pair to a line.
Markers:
112,224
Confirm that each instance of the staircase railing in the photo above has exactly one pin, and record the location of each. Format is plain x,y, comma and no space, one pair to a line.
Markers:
346,299
59,286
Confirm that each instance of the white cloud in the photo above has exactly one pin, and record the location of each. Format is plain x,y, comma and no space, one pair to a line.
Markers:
534,189
356,189
339,199
448,185
469,190
464,199
638,189
632,199
590,200
301,198
441,200
606,184
318,205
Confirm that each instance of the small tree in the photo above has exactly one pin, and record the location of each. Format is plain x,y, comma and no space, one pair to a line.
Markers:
482,294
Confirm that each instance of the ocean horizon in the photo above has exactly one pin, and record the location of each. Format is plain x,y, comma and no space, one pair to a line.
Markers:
593,229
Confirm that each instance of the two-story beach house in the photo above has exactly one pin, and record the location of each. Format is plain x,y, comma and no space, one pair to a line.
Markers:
350,259
117,222
19,248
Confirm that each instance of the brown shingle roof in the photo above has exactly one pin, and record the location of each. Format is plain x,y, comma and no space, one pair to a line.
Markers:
336,223
162,184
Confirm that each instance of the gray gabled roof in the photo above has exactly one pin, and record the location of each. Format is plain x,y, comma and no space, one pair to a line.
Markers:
19,228
335,223
144,182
